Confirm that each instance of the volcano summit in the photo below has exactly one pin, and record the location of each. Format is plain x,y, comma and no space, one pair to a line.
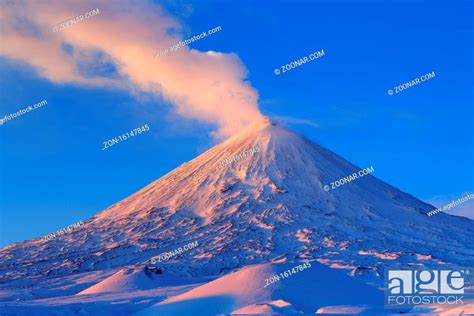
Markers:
262,214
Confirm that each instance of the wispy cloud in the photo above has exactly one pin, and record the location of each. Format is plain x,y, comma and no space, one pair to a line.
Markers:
116,49
293,120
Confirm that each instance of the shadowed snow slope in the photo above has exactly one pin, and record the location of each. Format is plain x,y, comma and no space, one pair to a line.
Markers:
267,206
307,291
132,279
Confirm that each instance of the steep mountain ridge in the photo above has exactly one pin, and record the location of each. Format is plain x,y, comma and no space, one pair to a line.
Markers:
267,206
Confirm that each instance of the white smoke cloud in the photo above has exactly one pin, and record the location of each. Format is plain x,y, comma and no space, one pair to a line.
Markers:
123,39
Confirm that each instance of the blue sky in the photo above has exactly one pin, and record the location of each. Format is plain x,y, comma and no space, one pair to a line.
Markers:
53,172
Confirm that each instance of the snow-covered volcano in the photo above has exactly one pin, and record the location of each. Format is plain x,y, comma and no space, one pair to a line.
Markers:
266,206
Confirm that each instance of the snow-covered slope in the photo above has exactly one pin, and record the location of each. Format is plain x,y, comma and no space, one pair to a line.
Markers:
244,291
133,279
268,206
